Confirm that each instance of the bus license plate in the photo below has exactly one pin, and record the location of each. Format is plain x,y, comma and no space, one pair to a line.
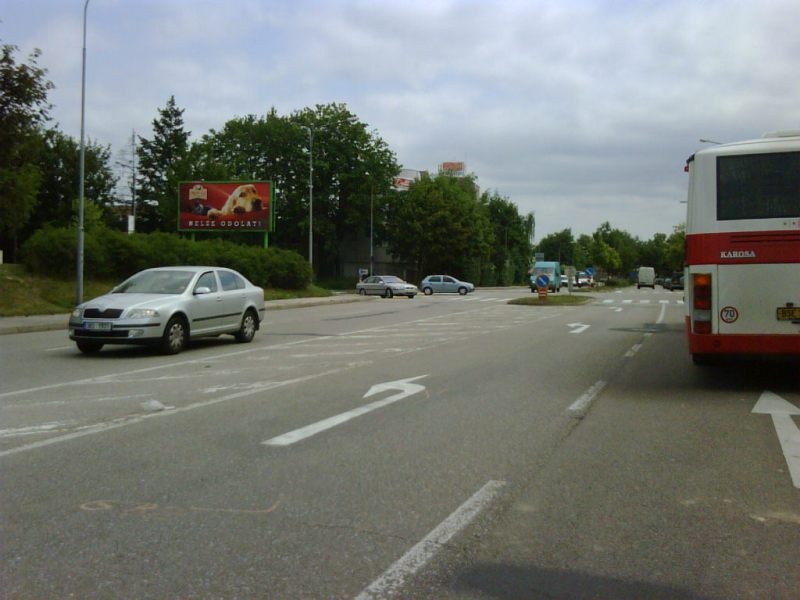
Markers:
97,326
786,313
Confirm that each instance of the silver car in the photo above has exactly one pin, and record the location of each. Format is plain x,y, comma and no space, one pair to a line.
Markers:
386,286
445,284
167,307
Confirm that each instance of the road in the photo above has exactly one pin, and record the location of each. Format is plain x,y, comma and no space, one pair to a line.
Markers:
440,447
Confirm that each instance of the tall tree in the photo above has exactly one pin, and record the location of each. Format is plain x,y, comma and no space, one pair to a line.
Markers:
23,113
558,246
353,168
163,162
439,226
511,252
58,163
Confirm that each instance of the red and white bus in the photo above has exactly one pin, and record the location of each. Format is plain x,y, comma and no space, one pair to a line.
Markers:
742,274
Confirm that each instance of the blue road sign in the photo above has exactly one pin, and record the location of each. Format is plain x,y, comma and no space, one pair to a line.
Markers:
590,271
542,281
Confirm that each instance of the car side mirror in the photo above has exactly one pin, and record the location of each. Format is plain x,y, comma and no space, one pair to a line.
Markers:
202,290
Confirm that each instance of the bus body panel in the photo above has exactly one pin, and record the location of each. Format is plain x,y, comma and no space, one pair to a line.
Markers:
755,292
751,249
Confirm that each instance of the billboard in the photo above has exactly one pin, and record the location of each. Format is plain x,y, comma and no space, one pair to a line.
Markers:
225,206
456,169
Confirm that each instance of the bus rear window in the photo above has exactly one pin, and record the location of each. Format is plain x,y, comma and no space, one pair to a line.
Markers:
758,186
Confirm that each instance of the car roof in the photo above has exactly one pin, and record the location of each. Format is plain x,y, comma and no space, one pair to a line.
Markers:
192,268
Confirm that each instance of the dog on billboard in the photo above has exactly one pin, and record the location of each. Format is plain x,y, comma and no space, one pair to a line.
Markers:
243,199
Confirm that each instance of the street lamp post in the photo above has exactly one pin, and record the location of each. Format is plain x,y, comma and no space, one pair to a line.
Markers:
310,197
79,286
371,229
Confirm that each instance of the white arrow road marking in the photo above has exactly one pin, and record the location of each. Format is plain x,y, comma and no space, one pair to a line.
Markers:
788,433
578,327
404,385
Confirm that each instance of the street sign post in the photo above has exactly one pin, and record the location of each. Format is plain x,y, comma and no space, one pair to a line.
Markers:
542,285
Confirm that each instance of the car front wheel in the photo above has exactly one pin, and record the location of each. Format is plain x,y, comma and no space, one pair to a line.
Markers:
389,293
427,291
462,291
362,292
175,336
247,331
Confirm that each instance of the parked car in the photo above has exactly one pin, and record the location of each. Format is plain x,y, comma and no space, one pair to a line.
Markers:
675,282
169,306
583,280
442,284
386,286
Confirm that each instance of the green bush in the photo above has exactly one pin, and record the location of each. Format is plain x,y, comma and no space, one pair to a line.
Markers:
112,254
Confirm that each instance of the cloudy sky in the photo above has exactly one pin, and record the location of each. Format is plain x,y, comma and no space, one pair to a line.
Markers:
580,111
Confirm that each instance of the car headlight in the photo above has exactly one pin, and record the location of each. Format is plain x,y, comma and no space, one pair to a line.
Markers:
142,313
77,313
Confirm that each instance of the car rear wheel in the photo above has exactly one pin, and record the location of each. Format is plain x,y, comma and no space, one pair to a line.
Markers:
427,291
389,293
88,347
462,290
175,336
247,331
362,292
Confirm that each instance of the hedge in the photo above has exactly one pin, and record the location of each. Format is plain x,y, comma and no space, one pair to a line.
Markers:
111,254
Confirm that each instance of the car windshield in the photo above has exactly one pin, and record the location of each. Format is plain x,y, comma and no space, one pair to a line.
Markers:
156,282
392,279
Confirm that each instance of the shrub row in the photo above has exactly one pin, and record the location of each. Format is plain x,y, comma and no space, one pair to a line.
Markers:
111,254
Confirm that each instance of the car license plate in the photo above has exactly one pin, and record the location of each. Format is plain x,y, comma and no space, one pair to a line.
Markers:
789,313
97,325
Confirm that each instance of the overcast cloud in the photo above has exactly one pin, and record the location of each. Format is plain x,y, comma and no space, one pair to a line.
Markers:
580,111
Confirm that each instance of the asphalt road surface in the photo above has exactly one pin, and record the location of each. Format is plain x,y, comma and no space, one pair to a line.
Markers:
440,447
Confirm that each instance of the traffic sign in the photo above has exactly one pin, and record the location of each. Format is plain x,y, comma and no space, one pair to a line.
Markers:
589,271
542,281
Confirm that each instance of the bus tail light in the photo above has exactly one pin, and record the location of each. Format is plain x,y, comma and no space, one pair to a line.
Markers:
701,303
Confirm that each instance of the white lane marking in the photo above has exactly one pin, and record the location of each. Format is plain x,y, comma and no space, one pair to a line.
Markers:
661,314
680,301
59,348
395,577
644,301
782,413
663,301
627,301
219,357
607,301
34,429
580,407
125,421
634,349
406,387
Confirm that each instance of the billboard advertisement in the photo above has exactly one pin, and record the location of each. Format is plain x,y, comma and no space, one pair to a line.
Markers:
225,206
456,169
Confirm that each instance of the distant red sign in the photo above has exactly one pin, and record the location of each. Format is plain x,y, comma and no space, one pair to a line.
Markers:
224,206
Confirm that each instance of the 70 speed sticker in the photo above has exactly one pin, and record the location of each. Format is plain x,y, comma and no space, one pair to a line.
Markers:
729,314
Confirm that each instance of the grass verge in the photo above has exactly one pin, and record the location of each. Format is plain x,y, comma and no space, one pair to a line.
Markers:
552,300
